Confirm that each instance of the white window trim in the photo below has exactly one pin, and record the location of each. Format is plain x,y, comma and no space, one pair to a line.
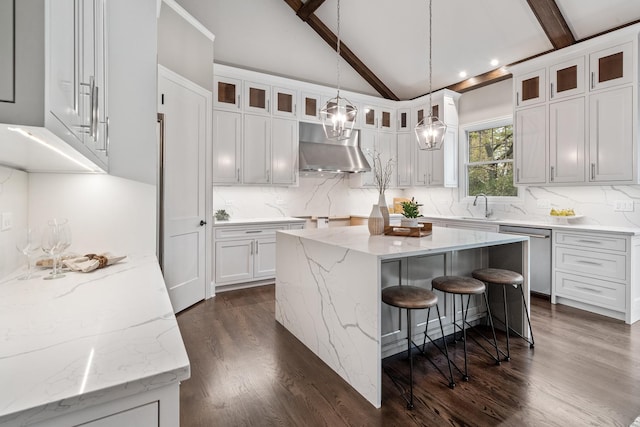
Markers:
463,149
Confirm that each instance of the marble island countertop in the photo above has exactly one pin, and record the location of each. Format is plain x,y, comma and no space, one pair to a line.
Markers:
86,339
441,240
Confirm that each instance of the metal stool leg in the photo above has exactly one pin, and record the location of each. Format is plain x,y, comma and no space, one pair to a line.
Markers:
506,321
409,339
495,341
465,376
526,310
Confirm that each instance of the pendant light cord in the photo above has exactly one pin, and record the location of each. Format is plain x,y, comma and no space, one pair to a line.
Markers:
338,50
430,68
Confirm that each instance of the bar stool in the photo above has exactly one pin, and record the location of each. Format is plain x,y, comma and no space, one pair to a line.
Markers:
459,285
415,298
506,278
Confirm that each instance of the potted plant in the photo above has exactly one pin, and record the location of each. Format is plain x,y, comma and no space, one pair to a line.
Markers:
221,215
410,212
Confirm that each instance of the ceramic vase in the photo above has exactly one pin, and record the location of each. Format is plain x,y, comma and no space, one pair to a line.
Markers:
384,210
409,222
376,222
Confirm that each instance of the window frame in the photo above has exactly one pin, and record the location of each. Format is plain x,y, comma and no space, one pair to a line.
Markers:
463,188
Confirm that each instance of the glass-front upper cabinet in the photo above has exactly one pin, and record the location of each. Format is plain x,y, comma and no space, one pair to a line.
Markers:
310,104
257,98
530,88
285,102
228,92
403,124
611,67
567,78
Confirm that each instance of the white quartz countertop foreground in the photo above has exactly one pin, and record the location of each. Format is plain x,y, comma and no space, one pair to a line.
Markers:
441,240
86,339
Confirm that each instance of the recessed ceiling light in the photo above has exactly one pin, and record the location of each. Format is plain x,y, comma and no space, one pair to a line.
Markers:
462,74
494,62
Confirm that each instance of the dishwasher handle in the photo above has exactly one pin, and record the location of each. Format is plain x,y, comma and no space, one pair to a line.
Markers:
535,236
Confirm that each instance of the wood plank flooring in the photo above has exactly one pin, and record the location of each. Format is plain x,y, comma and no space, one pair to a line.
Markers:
247,370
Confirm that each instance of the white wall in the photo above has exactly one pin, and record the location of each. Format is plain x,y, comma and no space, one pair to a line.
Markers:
13,198
105,213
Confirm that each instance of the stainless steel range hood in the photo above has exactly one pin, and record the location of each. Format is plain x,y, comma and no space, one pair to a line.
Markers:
317,153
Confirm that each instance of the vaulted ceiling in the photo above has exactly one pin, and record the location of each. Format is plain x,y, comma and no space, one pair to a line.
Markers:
387,41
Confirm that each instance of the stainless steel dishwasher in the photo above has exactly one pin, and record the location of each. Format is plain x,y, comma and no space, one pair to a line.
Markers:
539,256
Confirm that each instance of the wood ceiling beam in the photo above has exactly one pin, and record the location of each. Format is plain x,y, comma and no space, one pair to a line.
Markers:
552,22
308,8
476,82
346,53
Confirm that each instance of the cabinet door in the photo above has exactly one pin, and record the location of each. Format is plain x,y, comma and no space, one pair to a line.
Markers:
257,98
450,159
530,88
417,114
284,153
392,319
388,148
234,261
566,79
611,135
422,161
369,118
310,104
228,92
65,99
386,120
142,416
435,174
264,258
368,144
404,120
256,163
611,67
567,141
227,147
285,102
531,143
405,151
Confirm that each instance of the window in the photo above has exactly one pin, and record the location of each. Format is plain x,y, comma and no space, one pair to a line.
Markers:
489,167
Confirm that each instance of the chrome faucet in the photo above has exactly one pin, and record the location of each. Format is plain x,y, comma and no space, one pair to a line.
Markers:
487,212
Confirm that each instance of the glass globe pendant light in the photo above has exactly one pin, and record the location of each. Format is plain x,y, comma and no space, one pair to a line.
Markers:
430,130
338,114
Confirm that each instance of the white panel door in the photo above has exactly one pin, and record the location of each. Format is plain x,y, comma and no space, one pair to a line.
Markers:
531,143
227,147
284,152
234,261
611,135
404,167
256,162
186,109
566,141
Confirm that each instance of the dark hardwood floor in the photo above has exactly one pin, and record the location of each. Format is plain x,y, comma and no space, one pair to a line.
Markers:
247,370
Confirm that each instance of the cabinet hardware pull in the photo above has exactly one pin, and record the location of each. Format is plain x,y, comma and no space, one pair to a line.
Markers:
551,173
597,291
517,98
593,75
593,171
239,101
251,249
517,174
253,231
268,105
295,109
581,261
595,242
257,247
551,90
238,175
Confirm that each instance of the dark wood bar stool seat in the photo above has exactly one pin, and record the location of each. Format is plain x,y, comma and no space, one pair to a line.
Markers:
415,298
461,285
506,278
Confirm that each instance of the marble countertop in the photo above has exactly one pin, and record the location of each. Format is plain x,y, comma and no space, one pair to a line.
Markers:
385,247
258,221
86,339
571,225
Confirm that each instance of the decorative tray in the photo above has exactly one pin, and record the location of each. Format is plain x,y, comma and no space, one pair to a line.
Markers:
423,229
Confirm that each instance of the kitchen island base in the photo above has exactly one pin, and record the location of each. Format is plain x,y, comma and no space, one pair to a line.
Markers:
328,287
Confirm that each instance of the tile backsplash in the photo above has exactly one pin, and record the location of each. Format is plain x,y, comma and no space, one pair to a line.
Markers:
13,200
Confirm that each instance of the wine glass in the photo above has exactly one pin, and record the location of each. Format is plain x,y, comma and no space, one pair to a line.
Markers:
55,239
28,243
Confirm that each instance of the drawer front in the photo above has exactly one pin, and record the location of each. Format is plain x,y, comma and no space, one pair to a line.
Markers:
596,241
247,232
591,291
605,265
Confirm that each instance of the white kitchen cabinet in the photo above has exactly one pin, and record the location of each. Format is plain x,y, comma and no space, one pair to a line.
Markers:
284,151
406,148
611,146
256,159
228,93
612,66
594,271
567,129
246,254
403,119
531,150
376,117
566,78
531,88
285,102
310,104
257,98
227,147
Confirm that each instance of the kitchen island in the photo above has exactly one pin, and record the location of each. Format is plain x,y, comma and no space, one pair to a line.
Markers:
92,346
328,285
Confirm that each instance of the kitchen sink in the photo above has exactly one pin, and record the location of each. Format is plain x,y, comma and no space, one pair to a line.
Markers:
475,218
